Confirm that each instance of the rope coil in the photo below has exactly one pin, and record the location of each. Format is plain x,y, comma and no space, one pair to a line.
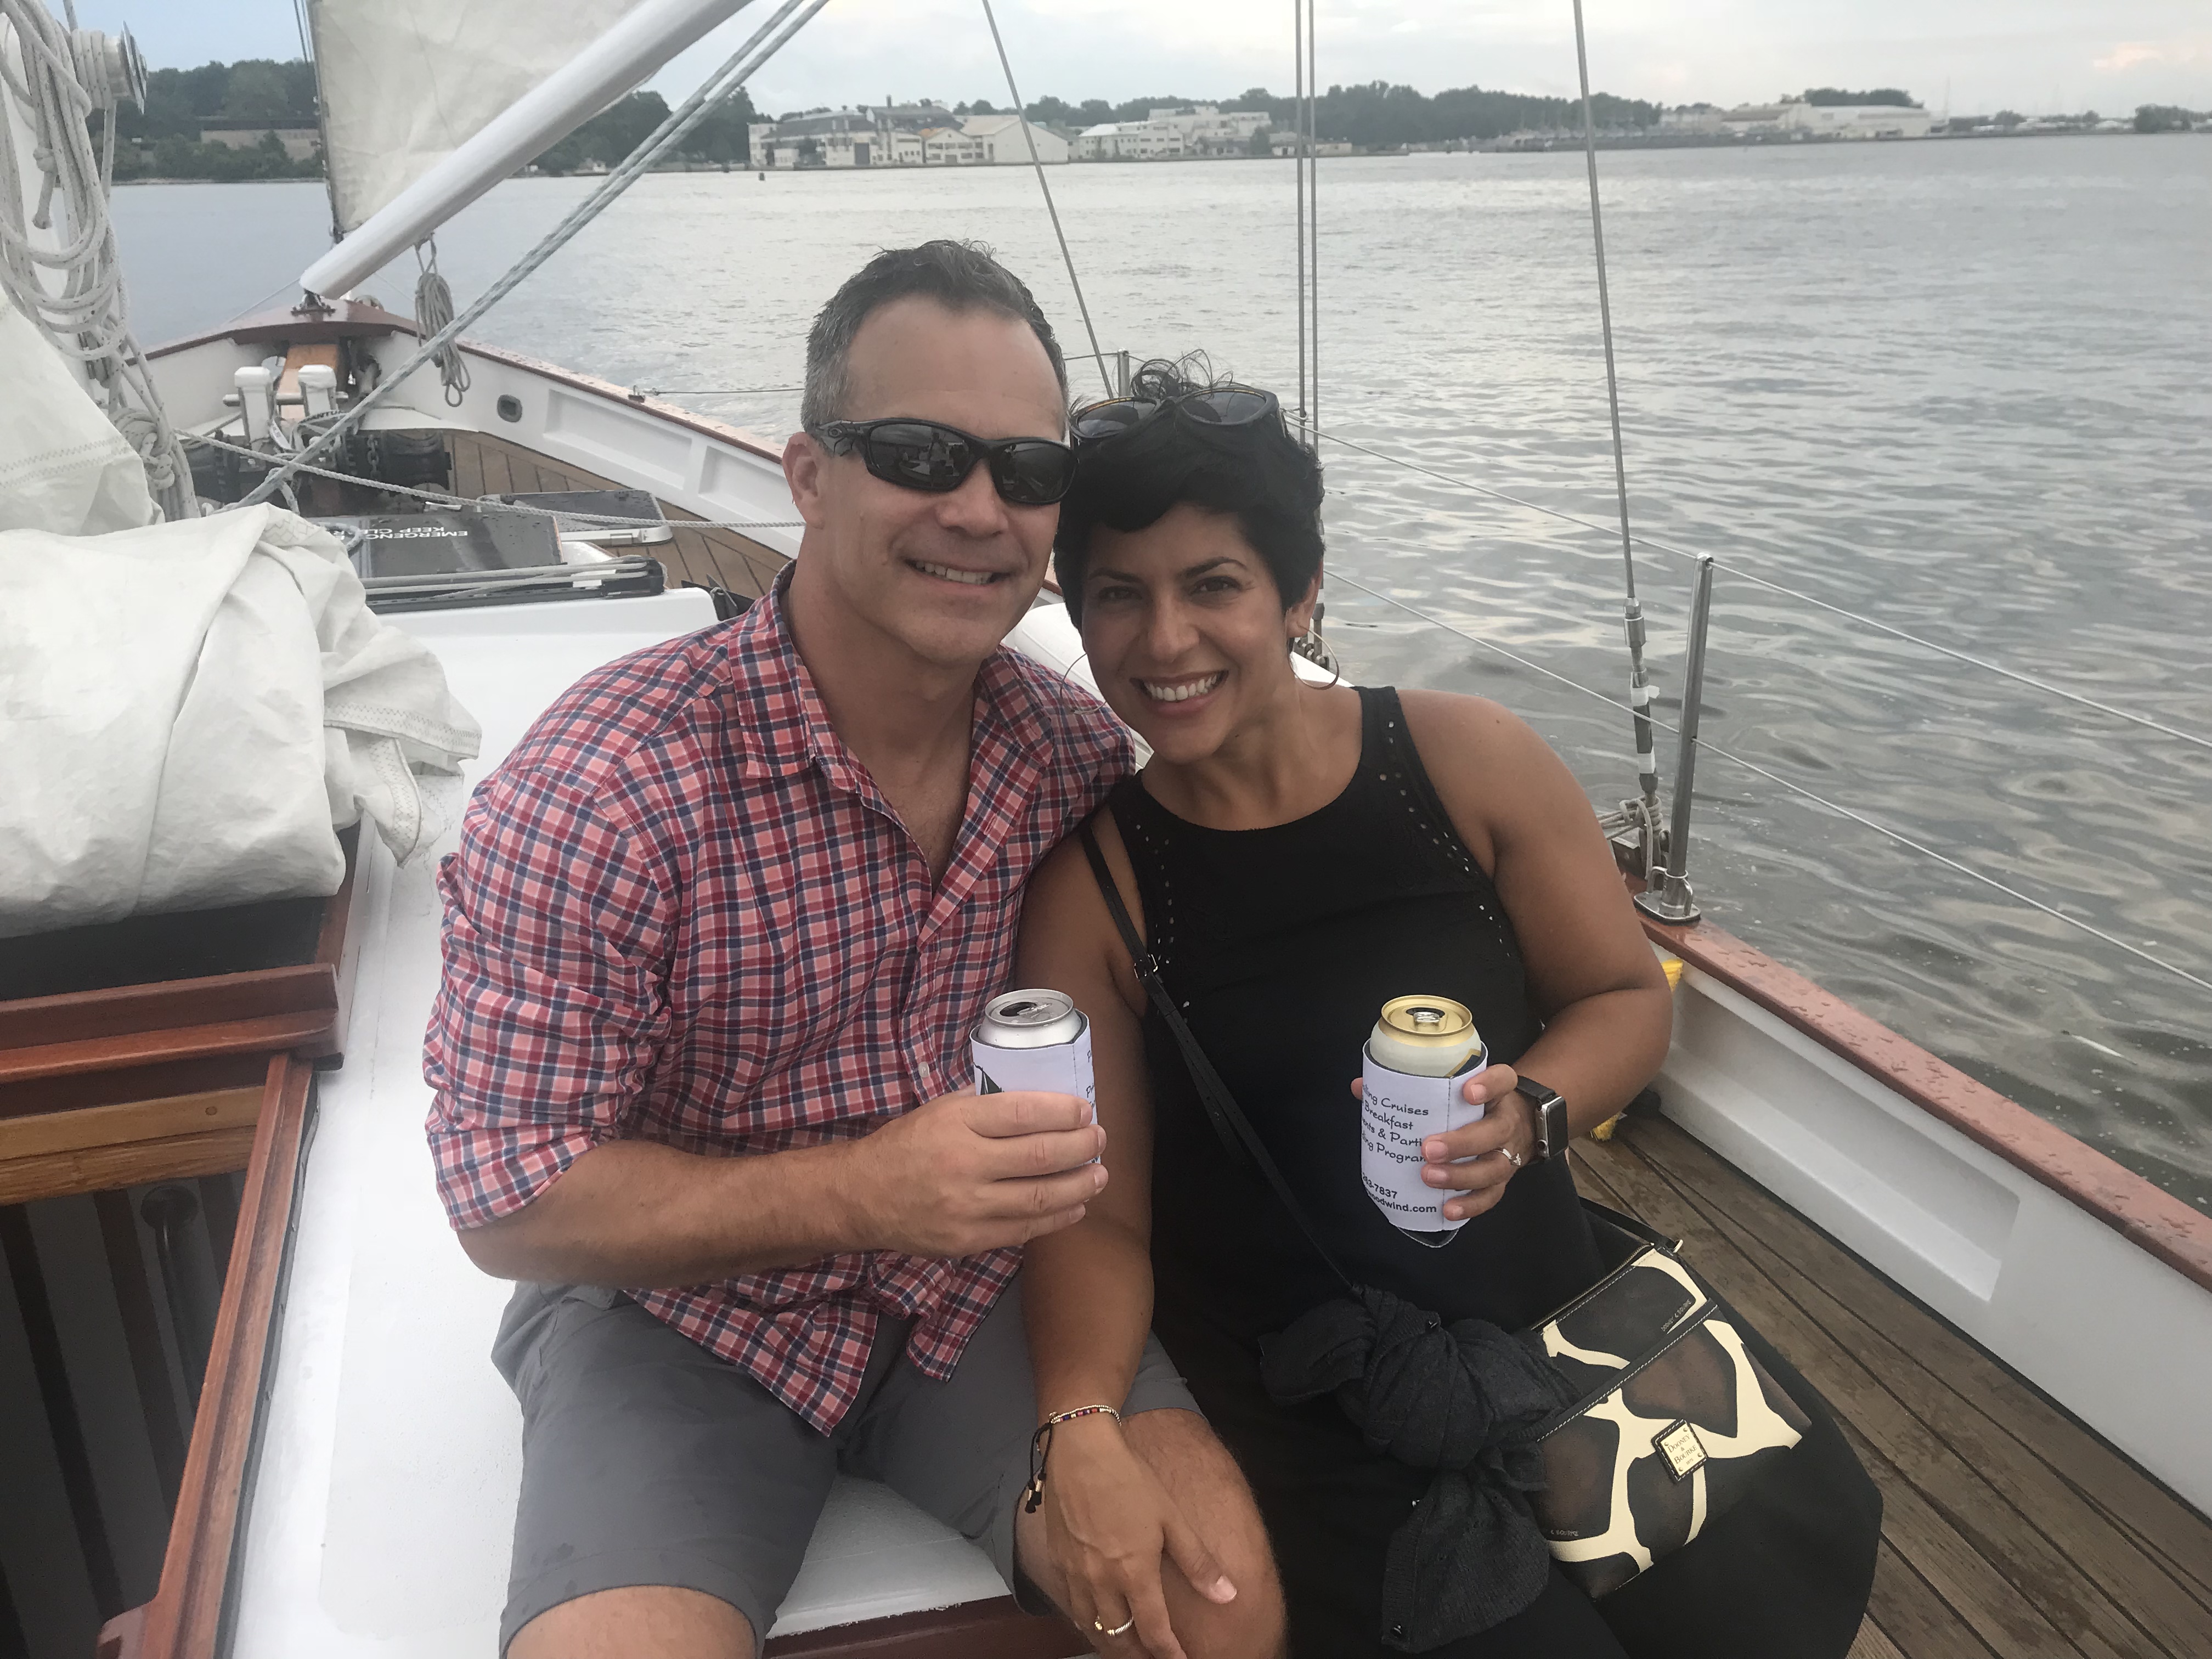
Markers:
434,310
69,76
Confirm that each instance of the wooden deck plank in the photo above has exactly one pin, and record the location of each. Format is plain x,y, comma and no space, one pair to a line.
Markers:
2138,1507
1871,1644
2136,1585
487,464
744,565
2001,1575
688,552
1913,1618
498,476
468,464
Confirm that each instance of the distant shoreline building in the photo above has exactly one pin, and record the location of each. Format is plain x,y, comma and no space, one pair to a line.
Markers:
900,135
1169,133
1797,119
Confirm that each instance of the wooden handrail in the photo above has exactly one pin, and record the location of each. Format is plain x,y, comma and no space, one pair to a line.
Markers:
994,1629
182,1620
133,1011
259,1035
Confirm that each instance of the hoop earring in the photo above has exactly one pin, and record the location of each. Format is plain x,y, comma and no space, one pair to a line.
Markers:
1312,638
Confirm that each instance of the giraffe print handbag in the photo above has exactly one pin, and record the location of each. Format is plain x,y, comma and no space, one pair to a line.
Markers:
1674,1420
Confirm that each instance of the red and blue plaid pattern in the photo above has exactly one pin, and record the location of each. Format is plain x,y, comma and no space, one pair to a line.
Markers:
682,912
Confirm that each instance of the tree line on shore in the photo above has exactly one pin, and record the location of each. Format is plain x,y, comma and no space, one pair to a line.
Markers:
163,141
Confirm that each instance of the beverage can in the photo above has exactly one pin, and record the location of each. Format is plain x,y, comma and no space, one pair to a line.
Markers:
1418,1057
1033,1040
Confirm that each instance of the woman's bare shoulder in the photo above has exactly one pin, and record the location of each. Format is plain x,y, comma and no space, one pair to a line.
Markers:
1458,732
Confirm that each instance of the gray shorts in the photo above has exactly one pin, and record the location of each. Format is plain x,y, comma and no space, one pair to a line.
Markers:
647,1460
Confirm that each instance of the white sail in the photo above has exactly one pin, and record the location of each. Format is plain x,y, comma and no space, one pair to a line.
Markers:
404,83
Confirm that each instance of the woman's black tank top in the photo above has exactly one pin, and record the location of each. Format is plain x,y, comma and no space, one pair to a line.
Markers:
1280,945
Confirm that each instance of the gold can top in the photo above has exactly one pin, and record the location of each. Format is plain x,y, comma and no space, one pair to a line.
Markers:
1426,1022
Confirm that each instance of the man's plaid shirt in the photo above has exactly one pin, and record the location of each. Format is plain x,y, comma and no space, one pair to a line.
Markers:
681,911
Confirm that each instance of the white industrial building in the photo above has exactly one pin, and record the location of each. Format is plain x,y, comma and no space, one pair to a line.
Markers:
1128,141
1001,142
1797,119
1858,120
1166,133
1207,131
907,135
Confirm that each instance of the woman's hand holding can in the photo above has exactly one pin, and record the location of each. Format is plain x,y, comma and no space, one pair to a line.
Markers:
1475,1161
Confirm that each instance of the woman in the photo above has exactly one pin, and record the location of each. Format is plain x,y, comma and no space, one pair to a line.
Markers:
1293,857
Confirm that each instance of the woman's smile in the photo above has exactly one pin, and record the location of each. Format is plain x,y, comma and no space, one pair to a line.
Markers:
1182,688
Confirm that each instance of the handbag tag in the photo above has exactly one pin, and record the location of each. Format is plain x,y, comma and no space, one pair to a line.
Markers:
1679,1449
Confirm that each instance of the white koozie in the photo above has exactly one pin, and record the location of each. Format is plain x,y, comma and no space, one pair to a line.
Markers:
1062,1069
1397,1112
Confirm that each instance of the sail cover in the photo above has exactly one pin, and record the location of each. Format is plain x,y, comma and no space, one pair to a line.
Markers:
405,82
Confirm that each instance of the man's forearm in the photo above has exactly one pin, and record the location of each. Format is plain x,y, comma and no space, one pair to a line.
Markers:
641,1215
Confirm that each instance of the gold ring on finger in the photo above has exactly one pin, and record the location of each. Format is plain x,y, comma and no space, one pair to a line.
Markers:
1121,1628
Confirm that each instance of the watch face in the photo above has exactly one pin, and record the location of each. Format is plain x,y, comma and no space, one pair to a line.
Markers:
1551,1121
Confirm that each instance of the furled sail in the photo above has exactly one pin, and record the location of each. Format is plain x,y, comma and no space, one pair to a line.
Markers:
405,82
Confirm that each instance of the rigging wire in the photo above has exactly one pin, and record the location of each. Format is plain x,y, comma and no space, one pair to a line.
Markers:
1706,744
1631,614
1312,202
1753,577
1029,137
764,44
1605,308
1298,161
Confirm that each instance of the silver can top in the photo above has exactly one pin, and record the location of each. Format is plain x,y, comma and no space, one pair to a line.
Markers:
1028,1019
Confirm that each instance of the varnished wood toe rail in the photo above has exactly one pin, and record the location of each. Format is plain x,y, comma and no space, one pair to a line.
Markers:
184,1619
996,1629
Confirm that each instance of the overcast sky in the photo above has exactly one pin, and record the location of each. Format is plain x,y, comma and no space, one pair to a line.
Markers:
2033,55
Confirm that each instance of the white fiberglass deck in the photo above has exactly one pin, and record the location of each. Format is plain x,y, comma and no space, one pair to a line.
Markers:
380,1509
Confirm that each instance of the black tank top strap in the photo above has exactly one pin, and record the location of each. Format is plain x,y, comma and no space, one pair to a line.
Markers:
1401,772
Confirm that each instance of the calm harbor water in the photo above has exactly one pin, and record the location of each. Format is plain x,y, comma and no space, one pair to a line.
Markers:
1964,388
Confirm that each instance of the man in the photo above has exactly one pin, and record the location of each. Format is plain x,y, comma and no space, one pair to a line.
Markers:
715,937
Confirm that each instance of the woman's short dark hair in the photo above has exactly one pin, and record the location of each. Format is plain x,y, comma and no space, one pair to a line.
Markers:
1258,473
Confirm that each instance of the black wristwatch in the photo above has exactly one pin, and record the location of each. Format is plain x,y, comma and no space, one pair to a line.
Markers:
1551,1131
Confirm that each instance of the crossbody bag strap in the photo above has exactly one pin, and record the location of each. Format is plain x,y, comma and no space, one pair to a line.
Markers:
1236,1135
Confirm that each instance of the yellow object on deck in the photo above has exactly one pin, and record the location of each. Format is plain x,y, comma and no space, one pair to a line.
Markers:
1672,965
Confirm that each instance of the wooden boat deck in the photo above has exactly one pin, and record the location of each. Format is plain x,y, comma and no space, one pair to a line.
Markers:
2009,1531
486,466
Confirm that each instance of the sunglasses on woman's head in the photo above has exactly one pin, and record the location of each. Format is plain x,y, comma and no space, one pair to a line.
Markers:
1227,405
937,458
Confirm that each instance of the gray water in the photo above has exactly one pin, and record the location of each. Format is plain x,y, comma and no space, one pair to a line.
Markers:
1960,388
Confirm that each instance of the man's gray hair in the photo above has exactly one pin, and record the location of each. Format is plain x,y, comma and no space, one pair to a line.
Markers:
958,276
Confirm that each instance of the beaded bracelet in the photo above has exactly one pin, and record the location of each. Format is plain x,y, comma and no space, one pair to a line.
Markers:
1040,1449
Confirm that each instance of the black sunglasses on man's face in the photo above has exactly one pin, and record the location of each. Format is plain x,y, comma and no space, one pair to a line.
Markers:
932,457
